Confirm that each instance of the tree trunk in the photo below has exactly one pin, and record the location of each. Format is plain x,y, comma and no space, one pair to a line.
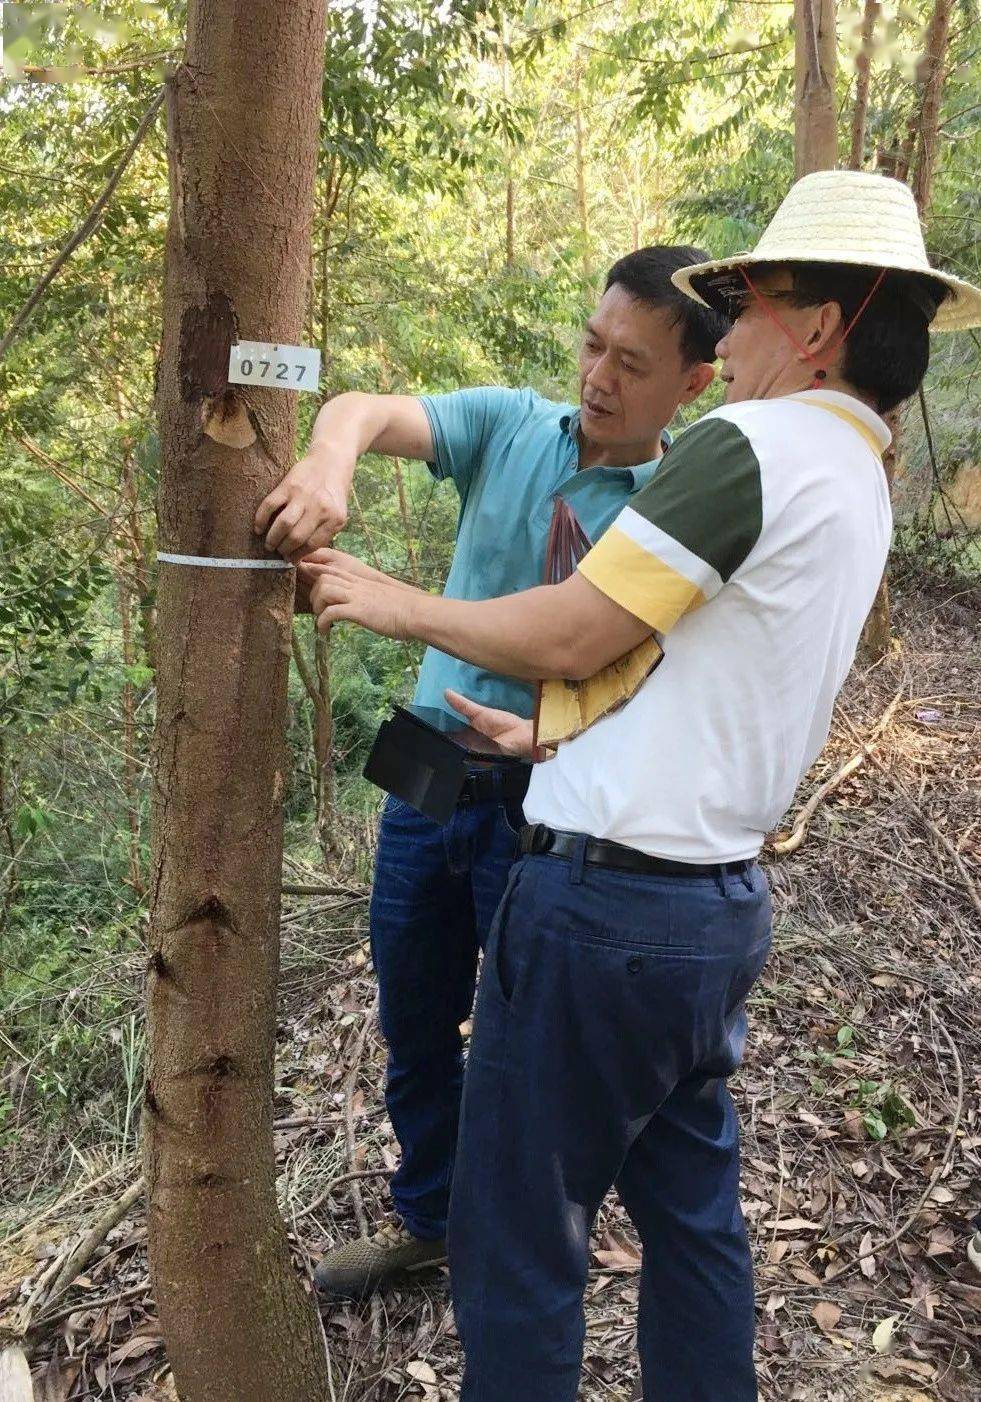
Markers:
930,75
815,112
877,631
581,197
242,142
131,787
316,682
863,67
509,152
924,131
509,223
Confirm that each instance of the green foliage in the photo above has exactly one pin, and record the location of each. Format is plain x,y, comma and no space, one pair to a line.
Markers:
429,115
46,599
884,1110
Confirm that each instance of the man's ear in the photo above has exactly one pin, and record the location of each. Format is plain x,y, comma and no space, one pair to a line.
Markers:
700,376
828,325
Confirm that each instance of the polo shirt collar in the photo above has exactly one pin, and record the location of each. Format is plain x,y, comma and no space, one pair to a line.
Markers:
638,476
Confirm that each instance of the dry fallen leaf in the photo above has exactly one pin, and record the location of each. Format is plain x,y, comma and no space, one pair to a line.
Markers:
866,1261
617,1254
618,1260
882,1334
826,1315
853,1124
942,1241
59,1378
792,1224
421,1372
135,1347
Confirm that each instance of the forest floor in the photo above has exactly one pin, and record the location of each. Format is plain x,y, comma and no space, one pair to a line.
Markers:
860,1099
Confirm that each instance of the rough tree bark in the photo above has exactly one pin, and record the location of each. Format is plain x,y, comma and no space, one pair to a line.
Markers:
863,69
815,111
930,78
242,140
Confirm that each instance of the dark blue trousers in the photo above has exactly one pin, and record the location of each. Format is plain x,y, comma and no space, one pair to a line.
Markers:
609,1014
435,892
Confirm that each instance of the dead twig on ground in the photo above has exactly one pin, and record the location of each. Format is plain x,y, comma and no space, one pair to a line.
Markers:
782,847
940,837
64,1269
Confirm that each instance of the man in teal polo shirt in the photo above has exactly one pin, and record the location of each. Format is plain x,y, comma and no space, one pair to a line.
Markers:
646,350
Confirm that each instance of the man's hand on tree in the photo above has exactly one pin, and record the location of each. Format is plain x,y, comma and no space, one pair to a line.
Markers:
345,590
512,733
307,509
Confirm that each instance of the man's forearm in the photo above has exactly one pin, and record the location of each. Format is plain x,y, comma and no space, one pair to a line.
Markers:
568,630
345,428
518,636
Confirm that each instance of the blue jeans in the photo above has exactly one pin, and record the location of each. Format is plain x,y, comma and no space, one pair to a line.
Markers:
609,1014
436,888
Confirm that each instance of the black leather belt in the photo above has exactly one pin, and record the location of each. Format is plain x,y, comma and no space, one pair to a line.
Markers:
538,840
498,784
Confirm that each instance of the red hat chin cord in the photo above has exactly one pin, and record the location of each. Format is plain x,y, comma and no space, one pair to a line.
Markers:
820,373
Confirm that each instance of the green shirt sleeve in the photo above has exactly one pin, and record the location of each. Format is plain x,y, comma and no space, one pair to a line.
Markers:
687,531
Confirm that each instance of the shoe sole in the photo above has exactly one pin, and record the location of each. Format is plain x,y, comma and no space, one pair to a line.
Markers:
357,1294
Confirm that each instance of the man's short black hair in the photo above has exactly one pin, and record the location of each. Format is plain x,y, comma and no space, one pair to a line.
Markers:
646,275
887,351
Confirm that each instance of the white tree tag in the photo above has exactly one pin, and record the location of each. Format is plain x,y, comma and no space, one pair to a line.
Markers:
276,367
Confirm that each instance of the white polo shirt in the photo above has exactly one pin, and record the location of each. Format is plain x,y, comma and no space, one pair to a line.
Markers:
754,554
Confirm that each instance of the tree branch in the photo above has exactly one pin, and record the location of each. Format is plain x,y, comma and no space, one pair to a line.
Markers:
88,226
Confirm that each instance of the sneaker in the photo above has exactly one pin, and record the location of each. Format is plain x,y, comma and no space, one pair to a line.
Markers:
354,1271
974,1251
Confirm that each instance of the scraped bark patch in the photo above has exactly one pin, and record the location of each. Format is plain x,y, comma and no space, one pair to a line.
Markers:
227,421
206,339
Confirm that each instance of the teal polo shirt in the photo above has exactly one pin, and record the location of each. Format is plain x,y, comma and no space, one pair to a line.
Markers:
509,453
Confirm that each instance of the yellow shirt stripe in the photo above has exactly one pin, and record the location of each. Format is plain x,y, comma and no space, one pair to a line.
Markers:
846,417
639,582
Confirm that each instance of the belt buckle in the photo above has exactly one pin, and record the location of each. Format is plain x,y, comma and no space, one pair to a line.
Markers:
538,840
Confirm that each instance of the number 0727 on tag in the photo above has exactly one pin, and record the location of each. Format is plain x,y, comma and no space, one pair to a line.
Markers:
274,367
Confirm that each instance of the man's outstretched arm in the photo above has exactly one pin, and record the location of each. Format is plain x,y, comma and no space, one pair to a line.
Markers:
569,630
308,508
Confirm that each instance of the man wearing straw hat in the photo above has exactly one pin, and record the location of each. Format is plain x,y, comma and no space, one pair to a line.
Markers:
611,1003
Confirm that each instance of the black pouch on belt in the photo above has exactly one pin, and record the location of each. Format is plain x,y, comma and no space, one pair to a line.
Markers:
423,756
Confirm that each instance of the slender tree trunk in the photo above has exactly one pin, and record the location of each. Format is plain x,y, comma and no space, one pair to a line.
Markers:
410,549
316,683
509,157
581,196
923,135
242,142
326,774
877,631
815,110
931,78
131,787
131,536
317,680
509,216
11,852
863,69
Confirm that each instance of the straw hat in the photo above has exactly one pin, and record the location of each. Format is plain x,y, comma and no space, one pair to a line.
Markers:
843,216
